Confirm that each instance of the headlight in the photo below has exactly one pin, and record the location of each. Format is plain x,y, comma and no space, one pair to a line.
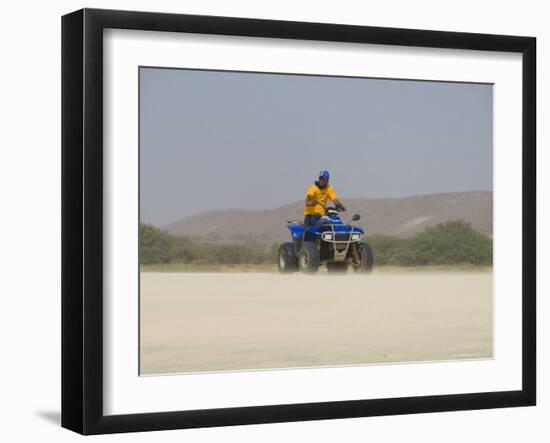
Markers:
327,236
355,236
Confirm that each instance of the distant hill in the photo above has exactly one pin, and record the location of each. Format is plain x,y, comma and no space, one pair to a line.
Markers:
401,217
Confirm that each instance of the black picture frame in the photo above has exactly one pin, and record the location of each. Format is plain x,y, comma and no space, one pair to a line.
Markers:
82,220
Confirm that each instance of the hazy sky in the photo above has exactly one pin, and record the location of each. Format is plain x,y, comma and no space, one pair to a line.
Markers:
219,140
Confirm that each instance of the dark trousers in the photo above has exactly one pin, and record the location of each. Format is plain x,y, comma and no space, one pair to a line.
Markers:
311,220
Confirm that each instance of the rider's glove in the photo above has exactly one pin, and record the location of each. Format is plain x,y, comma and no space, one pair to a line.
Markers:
340,206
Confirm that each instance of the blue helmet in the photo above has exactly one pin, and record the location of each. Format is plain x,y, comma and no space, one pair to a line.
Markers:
324,174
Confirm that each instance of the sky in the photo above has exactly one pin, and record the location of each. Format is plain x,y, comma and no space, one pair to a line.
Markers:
212,140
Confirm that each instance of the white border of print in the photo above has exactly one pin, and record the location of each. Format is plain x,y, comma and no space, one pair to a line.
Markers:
125,392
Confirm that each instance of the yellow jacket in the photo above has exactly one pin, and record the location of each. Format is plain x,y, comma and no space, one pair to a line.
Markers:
321,196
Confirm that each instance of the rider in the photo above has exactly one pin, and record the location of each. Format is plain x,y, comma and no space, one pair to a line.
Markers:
316,199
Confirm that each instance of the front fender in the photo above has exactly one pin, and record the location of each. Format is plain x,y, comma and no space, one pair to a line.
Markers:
297,231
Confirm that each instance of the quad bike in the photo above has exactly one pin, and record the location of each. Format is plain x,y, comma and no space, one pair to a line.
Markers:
329,242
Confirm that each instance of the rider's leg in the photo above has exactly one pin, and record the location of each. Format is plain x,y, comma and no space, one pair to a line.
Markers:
309,221
315,218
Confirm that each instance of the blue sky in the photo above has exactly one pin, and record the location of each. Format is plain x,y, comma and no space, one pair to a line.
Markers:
213,140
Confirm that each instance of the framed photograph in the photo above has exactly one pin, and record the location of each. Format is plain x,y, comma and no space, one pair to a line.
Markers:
269,221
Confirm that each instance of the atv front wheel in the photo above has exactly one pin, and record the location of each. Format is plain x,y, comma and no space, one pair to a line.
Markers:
365,260
337,267
308,257
287,262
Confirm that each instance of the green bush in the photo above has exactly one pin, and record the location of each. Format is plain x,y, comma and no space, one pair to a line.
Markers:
450,243
386,248
184,250
155,246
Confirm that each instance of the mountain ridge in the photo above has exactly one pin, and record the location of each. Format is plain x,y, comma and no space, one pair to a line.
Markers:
402,217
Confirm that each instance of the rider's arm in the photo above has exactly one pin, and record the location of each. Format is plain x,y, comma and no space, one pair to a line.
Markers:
311,202
334,199
338,204
310,198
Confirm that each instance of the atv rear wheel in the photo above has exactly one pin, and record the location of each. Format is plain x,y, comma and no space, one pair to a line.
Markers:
366,260
308,257
286,259
337,267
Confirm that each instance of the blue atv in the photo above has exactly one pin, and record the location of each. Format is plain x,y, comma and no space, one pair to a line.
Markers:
329,242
